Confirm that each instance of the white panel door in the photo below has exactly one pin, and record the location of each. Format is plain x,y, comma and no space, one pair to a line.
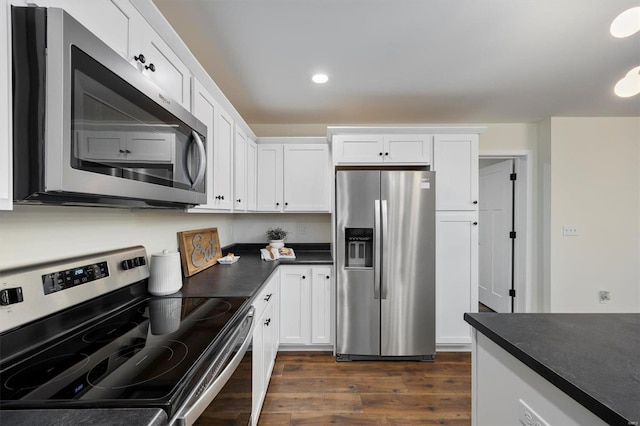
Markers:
495,245
455,160
408,149
321,305
356,149
223,143
456,276
252,171
240,171
295,305
306,178
269,197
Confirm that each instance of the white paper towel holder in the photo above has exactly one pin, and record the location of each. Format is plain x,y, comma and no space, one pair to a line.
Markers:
165,275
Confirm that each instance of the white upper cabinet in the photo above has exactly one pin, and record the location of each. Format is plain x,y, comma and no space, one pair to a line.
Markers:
220,131
270,173
307,178
6,135
252,175
387,149
164,67
119,24
240,171
294,177
455,160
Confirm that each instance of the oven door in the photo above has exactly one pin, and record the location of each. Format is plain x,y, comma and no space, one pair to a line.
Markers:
212,384
108,130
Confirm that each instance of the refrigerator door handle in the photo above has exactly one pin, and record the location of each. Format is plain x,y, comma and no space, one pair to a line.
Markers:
384,246
376,249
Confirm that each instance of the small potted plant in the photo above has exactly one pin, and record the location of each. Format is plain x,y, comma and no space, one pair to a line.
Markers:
276,237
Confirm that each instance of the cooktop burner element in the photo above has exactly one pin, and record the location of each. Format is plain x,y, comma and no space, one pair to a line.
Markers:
47,370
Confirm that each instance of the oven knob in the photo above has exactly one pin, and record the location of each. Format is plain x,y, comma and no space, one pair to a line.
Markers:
9,296
125,265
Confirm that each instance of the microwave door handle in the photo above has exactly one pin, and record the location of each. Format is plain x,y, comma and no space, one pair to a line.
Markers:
203,159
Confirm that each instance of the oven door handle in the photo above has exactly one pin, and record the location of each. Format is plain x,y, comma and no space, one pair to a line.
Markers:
203,394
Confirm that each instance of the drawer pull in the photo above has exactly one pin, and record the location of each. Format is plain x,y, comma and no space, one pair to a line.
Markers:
268,296
267,322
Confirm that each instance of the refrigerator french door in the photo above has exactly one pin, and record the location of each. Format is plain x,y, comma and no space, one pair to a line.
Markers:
385,245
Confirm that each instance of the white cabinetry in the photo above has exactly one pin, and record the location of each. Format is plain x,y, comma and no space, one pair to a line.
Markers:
293,177
252,171
387,149
265,342
305,305
6,135
220,131
119,24
456,276
455,160
240,171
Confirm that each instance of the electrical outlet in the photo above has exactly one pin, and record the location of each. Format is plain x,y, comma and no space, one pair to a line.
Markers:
605,296
303,229
528,417
569,230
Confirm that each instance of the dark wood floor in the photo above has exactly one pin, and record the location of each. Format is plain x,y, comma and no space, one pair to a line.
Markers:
310,388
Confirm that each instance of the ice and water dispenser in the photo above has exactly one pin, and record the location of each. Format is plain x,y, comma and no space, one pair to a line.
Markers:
359,247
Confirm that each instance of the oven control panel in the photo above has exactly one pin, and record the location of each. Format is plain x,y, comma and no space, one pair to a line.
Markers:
31,292
58,281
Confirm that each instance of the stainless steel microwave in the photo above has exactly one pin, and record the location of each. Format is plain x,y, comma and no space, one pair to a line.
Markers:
90,128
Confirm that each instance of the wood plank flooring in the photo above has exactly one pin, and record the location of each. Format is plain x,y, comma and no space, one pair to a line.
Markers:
311,388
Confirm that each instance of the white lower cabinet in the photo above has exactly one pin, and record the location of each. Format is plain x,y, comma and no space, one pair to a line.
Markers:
456,277
265,342
305,305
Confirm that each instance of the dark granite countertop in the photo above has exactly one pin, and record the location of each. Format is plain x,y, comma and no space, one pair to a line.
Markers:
89,416
245,277
594,358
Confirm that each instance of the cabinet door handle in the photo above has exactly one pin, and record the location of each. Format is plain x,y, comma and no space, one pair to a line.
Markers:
268,296
267,322
303,277
222,197
277,204
286,204
140,58
380,153
328,277
121,151
386,153
150,67
475,202
238,200
475,223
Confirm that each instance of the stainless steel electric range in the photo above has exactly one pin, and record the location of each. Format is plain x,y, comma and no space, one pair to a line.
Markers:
84,333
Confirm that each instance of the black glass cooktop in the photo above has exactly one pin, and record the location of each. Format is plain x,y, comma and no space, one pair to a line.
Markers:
144,355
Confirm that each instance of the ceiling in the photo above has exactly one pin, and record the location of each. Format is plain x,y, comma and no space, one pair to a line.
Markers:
411,61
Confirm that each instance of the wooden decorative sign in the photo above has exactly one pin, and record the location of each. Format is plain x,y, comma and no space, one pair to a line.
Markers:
199,249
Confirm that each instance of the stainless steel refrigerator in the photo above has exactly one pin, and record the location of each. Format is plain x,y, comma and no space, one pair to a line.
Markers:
385,249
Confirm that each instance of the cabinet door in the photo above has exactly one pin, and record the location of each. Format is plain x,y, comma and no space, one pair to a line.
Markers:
295,316
164,67
321,305
116,22
456,276
306,178
357,149
455,159
252,170
269,197
258,385
240,171
204,108
222,160
408,149
6,133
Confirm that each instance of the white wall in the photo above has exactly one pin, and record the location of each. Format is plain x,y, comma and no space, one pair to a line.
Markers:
595,182
31,234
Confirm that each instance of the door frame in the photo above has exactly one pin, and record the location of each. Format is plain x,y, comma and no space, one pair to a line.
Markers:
523,205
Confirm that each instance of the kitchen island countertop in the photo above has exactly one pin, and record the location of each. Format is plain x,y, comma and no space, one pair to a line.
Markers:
593,358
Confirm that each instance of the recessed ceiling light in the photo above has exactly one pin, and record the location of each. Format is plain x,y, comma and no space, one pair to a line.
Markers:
320,78
627,23
629,85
